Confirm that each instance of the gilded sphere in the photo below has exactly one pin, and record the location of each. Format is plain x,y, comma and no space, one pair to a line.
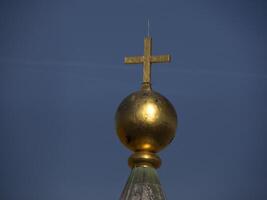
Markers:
146,121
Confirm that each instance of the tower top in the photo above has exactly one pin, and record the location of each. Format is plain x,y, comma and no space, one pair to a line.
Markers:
146,123
147,59
145,120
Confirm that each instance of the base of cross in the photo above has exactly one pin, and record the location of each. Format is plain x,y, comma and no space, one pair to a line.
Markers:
146,86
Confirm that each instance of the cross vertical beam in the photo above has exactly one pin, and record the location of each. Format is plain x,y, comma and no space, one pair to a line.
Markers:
147,60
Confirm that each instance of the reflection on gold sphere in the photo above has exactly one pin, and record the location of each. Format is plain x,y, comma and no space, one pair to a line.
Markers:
146,121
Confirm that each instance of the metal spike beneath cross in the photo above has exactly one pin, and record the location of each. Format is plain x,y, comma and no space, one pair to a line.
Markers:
147,59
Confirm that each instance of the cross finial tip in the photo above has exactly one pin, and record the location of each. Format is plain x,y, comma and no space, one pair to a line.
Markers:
148,27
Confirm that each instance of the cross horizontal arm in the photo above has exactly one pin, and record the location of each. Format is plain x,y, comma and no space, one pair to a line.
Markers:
161,59
134,60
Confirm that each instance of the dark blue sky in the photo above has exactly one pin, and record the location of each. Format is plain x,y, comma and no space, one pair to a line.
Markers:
62,77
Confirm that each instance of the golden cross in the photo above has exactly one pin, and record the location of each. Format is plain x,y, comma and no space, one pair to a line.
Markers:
147,59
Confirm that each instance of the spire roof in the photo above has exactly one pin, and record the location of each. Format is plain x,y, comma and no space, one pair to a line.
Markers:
143,184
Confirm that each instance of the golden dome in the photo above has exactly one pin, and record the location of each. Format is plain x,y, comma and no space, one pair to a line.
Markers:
146,121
